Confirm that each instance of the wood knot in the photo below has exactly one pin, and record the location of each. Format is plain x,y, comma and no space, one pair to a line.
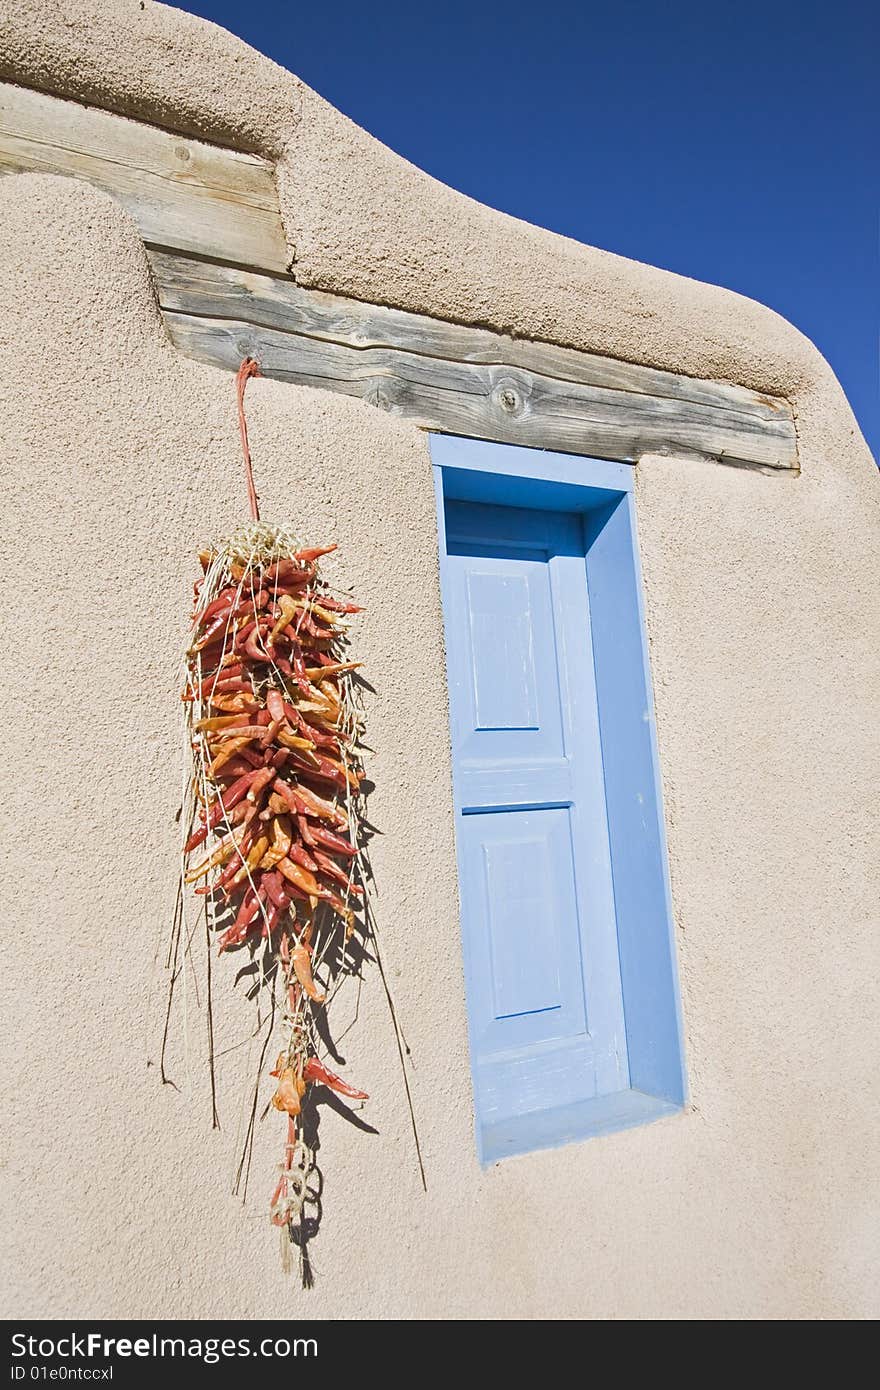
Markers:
509,398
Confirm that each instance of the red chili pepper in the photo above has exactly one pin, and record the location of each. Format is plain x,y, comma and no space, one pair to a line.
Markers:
313,772
250,755
196,838
236,862
276,706
246,918
316,806
253,651
332,772
302,857
335,842
215,815
236,767
337,606
217,605
276,890
221,673
226,686
287,572
242,635
306,832
233,794
302,759
271,921
316,1071
210,632
255,598
250,906
285,790
301,959
332,870
269,736
338,906
300,878
308,625
319,737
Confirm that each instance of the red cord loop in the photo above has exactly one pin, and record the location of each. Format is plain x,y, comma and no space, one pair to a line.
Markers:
249,367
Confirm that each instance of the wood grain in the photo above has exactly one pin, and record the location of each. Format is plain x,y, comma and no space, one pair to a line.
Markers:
461,380
182,193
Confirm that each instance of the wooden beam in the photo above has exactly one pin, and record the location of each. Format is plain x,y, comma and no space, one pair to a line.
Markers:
461,380
193,199
182,193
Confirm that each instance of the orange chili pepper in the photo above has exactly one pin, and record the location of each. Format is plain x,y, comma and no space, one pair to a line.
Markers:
227,846
237,701
299,877
288,1097
303,746
282,837
315,673
288,607
221,721
301,957
315,552
229,750
317,806
261,780
255,854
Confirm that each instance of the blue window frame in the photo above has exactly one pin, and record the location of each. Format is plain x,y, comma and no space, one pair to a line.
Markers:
570,970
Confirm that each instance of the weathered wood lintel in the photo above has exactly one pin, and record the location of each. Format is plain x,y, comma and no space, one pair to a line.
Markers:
191,199
461,380
182,193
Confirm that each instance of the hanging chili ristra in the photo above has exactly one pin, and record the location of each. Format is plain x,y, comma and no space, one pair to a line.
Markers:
274,731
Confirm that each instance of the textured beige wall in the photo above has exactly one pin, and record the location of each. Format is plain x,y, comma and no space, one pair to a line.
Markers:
119,457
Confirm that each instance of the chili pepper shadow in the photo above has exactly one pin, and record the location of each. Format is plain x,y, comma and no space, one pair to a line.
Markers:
260,972
307,1227
322,1095
309,1223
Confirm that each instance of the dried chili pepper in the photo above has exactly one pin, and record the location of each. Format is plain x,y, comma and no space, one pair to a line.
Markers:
316,1071
272,722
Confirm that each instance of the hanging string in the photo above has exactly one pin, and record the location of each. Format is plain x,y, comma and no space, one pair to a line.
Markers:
249,367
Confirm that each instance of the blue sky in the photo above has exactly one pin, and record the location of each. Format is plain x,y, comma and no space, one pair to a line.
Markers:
732,142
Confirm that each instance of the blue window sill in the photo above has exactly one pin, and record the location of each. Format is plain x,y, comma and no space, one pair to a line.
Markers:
550,1129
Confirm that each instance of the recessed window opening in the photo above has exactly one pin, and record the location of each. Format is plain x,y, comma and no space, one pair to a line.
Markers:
566,926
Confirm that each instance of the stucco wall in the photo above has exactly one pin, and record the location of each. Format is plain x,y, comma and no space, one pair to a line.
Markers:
119,458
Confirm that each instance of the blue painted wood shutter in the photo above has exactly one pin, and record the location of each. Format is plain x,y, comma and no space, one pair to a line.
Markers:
540,929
